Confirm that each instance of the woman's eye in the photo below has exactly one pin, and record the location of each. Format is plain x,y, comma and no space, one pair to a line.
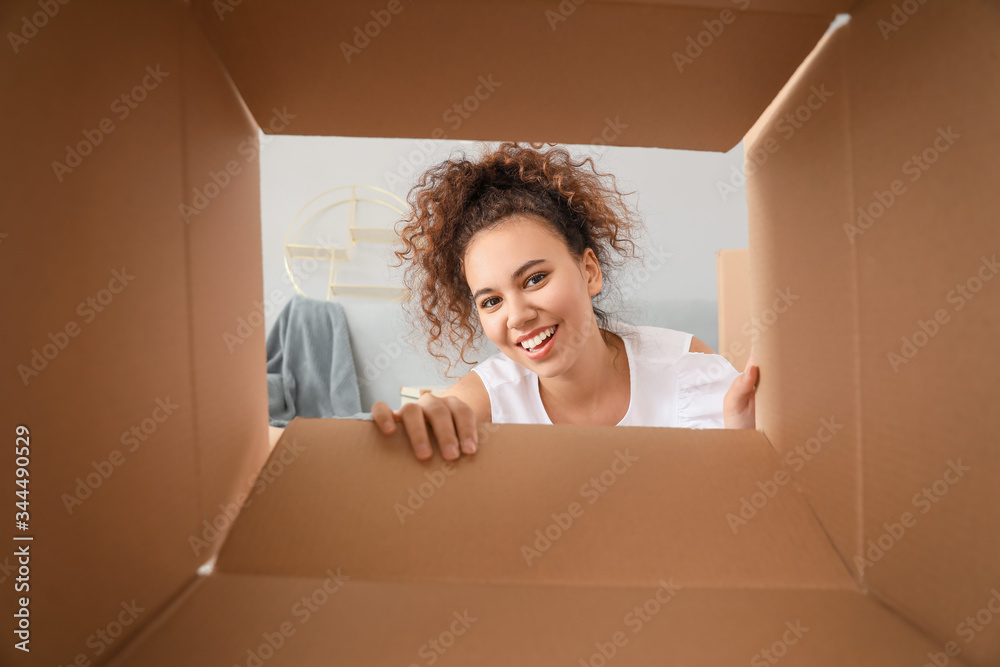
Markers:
488,303
537,275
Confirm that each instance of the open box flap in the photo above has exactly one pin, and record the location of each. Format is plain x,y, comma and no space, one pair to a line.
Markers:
517,70
931,387
558,504
878,218
804,297
235,619
141,421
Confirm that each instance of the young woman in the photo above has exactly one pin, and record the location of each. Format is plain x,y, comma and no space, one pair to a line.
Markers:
517,245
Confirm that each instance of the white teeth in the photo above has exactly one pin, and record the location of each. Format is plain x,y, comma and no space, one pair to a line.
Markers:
534,342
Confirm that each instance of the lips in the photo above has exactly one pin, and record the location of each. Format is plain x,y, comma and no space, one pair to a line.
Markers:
533,334
541,343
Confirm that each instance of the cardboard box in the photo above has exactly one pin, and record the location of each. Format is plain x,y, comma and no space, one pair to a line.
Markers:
132,252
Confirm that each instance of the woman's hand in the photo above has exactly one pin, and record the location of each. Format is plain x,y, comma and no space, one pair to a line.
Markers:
452,421
738,405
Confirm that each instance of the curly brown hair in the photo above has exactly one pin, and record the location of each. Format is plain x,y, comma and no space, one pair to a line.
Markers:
458,198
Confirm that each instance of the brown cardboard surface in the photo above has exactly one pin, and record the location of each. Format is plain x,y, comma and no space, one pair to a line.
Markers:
650,503
798,197
152,357
808,7
824,361
221,135
235,619
926,415
551,84
737,330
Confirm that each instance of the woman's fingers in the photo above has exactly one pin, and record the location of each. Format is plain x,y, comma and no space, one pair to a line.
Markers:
412,416
383,415
439,415
452,421
465,422
750,374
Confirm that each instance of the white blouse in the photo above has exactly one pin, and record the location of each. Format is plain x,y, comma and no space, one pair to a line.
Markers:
670,385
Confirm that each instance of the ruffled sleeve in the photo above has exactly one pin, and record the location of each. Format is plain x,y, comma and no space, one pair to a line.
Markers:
702,383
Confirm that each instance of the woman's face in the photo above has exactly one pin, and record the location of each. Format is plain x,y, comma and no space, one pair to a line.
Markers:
524,281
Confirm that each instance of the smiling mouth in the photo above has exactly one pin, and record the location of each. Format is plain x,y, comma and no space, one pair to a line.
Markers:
539,343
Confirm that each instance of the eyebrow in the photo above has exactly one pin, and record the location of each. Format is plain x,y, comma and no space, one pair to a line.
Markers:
514,276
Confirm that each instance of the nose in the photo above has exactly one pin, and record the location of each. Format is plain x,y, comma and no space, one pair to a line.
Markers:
519,312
